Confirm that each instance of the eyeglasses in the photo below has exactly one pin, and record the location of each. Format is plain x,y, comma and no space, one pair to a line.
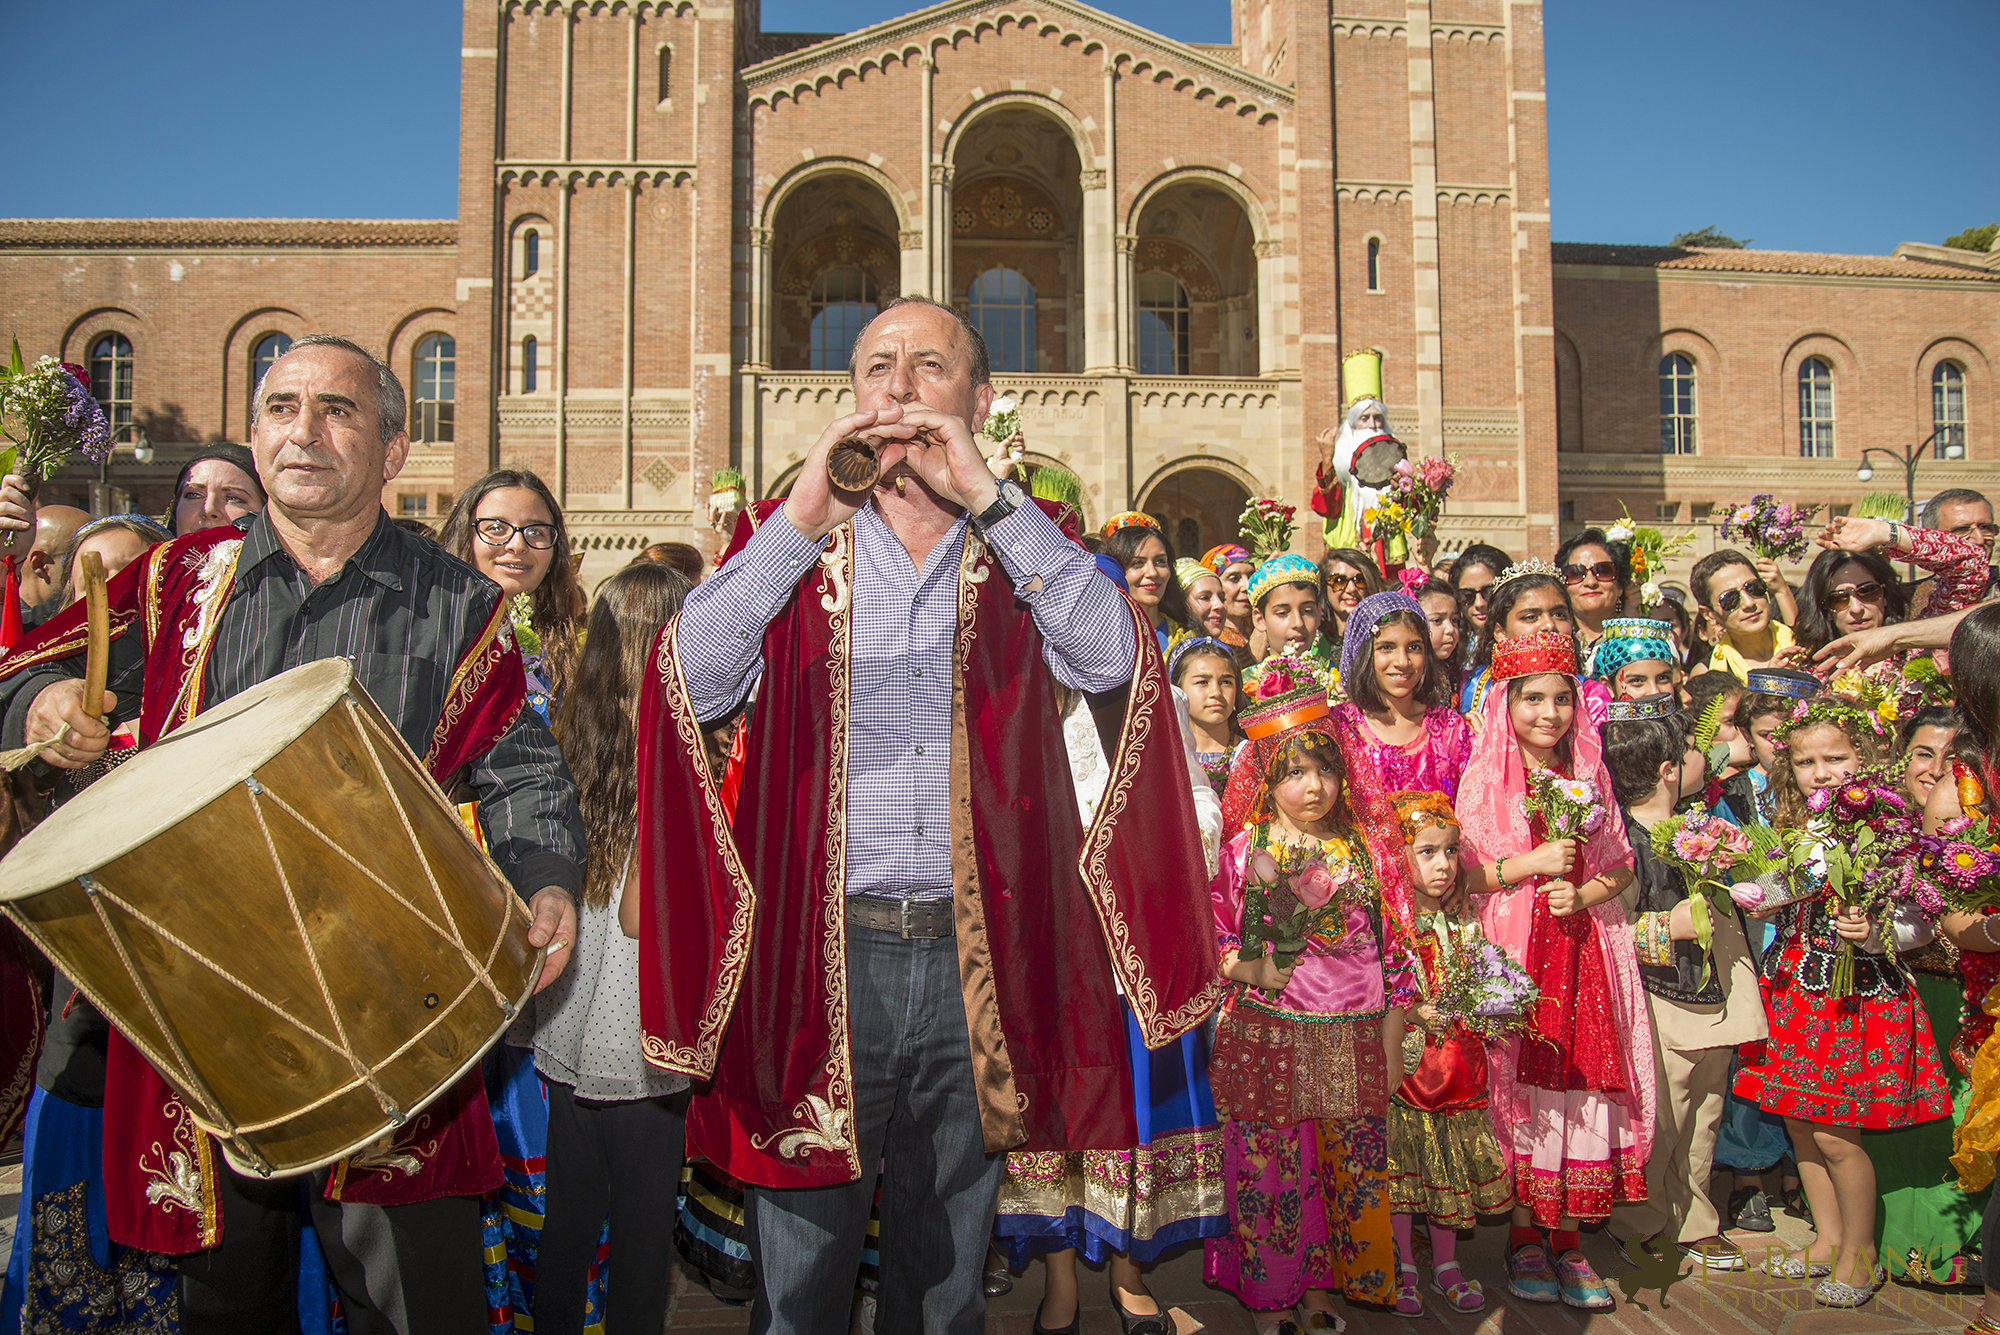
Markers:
1577,574
1755,588
498,533
1983,530
1467,597
1868,591
1341,583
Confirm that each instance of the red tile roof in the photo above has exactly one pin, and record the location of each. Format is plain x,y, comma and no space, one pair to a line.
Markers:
1764,261
176,233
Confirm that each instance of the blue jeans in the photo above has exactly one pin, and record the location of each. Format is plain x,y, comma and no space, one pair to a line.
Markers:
917,1117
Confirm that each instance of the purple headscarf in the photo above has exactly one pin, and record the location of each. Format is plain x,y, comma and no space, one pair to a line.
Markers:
1361,623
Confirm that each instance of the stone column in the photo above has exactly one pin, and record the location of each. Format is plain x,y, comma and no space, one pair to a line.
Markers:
1429,435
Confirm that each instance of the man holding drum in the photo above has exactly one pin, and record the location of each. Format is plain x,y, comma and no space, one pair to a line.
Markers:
321,573
930,978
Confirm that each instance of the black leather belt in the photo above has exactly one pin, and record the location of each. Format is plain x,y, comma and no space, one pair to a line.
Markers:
911,919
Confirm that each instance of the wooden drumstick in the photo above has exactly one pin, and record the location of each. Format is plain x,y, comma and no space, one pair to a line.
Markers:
96,663
97,615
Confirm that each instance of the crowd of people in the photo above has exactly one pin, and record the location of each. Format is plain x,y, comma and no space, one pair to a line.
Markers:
929,886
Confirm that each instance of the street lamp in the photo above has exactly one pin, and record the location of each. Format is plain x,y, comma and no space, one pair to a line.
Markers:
142,452
1910,458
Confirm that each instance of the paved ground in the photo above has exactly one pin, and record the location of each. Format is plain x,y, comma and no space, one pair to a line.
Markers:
1720,1305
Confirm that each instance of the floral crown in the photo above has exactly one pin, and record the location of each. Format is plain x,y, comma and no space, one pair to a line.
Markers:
1533,654
1128,519
1534,565
1417,812
1854,706
1288,694
1290,568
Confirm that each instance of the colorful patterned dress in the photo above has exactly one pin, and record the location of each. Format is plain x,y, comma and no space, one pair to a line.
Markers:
1433,763
1302,1081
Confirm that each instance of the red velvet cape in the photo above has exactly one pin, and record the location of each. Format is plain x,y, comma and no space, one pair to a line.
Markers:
159,1166
743,962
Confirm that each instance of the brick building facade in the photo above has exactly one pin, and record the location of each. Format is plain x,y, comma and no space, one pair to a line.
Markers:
671,223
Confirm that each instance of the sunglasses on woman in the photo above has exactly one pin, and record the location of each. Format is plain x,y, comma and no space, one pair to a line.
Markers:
1467,597
1342,583
1868,591
1730,601
1577,574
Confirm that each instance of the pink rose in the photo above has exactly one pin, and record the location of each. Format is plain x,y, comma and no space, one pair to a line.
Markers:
1263,867
1314,887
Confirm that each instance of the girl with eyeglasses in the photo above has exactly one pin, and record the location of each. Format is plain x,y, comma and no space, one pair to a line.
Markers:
508,527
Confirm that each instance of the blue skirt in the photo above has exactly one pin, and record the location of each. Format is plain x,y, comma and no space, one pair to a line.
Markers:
1163,1192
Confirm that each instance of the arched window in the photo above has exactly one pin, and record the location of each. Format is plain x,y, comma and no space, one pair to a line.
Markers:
1815,409
263,353
1947,408
843,301
1003,311
430,419
528,368
1676,404
111,379
1374,264
531,253
1163,325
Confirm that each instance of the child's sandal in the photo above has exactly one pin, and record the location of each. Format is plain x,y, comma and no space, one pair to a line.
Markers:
1463,1294
1409,1300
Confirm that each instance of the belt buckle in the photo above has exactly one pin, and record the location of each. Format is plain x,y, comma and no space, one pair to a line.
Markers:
903,925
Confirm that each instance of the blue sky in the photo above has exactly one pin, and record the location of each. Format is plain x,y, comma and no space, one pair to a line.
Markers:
1839,125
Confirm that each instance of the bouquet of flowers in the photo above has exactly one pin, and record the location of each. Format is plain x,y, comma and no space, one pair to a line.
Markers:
1960,865
1003,419
1772,530
1413,500
1479,986
521,614
1650,549
46,415
1569,808
1266,527
1715,857
1863,828
1294,897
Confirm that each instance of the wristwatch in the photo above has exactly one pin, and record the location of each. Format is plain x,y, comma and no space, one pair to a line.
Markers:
1010,499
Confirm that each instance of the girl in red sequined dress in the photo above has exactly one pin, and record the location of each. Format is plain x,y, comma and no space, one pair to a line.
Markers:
1573,1097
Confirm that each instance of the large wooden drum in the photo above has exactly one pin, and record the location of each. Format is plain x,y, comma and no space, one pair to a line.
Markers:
281,910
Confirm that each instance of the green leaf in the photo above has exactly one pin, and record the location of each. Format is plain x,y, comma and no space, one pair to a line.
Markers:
15,365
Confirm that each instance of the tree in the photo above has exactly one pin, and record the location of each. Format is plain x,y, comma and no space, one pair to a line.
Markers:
1710,238
1974,238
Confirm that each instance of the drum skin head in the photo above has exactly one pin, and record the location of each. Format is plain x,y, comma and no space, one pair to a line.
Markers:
280,909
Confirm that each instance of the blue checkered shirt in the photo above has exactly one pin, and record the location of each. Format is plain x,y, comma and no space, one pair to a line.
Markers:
899,719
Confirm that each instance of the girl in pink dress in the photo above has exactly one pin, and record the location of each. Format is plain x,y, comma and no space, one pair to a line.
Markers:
1574,1109
1397,704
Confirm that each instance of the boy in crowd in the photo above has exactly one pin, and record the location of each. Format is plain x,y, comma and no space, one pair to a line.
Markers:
1702,1004
1636,658
1284,609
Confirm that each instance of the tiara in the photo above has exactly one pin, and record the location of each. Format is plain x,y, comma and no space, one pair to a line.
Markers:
1650,707
1534,565
1532,655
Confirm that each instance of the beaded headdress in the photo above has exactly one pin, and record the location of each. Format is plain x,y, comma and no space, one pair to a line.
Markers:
1228,554
1534,565
1646,707
1533,654
1128,519
1629,640
1361,623
1206,644
1788,682
1289,568
1417,812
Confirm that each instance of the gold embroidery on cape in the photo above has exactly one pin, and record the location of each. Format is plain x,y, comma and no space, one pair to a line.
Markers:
839,1071
183,1178
1143,705
487,652
834,560
400,1153
698,1058
828,1128
217,576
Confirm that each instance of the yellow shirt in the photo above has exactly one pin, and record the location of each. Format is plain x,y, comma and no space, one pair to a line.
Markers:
1726,659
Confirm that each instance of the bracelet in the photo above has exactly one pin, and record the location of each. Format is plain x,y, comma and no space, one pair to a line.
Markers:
1500,872
1986,928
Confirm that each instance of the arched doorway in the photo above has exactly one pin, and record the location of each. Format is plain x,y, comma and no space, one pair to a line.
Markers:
835,261
1016,229
1195,288
1198,507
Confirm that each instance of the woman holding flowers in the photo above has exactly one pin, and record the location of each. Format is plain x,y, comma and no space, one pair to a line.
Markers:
1850,1047
1546,859
1410,735
1309,1044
